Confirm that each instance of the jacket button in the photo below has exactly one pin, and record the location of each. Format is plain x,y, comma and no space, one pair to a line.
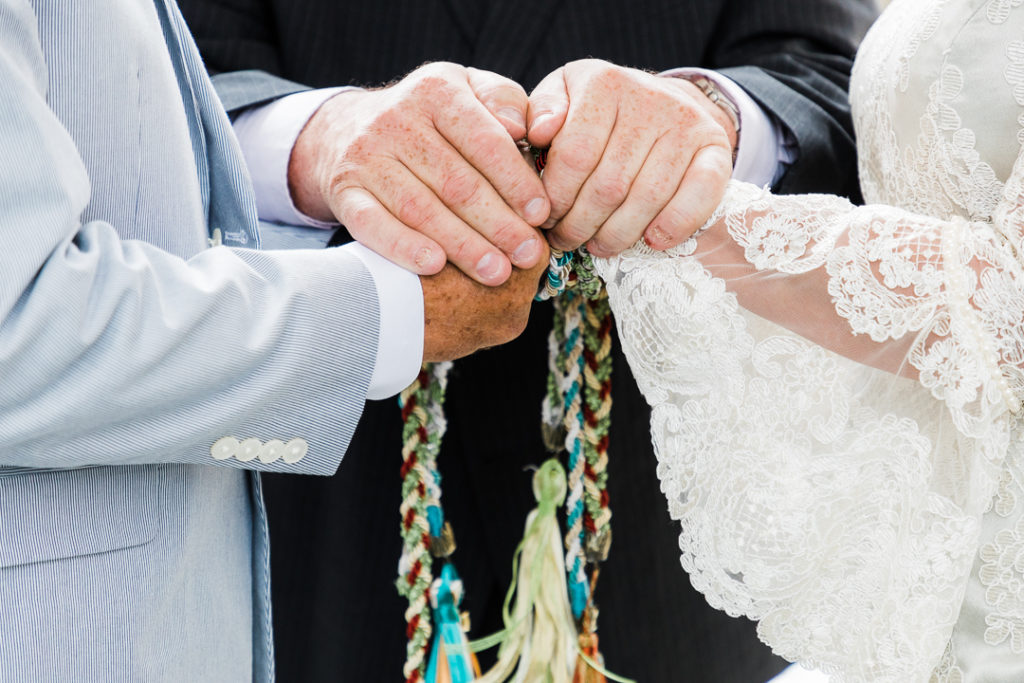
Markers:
271,451
294,451
248,450
224,447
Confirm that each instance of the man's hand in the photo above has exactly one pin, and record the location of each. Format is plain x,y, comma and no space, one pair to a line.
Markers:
461,316
631,154
427,170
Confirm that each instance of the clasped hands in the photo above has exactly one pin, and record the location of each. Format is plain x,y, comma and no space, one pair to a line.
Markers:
427,172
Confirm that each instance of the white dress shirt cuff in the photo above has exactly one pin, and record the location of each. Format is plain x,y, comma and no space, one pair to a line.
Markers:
266,135
400,343
760,151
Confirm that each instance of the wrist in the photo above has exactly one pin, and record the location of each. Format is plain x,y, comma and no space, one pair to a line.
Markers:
305,164
721,108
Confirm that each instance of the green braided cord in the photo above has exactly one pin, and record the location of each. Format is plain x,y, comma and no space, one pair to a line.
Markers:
588,283
597,341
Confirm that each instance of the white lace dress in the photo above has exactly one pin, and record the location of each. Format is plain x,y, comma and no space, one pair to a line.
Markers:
836,390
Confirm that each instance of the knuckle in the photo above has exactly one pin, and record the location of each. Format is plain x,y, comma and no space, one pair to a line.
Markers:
607,74
400,245
580,153
442,67
656,191
360,216
520,186
611,243
434,82
675,220
508,234
429,84
610,190
341,177
494,89
611,78
721,163
382,126
414,211
462,250
573,233
486,142
712,170
460,187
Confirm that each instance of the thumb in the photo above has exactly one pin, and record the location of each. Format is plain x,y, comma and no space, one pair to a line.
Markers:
504,99
549,105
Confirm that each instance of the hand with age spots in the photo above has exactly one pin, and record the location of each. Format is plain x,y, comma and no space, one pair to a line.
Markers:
631,153
426,171
461,316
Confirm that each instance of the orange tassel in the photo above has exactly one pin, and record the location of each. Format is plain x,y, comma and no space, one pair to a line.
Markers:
584,672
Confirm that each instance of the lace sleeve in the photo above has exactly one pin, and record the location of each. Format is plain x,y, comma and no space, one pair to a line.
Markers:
833,390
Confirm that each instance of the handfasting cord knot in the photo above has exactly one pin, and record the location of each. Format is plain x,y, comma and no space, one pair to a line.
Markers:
575,419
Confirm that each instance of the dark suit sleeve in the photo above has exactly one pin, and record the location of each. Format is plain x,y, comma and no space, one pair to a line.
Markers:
794,58
239,44
233,35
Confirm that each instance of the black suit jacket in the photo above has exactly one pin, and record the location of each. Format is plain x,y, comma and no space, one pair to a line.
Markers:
335,541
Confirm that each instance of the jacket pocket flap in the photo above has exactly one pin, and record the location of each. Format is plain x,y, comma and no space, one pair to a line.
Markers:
65,513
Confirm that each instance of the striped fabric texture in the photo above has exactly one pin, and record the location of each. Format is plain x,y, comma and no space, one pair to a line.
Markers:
128,347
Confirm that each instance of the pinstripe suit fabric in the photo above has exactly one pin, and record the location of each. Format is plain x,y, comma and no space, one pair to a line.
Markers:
127,348
335,540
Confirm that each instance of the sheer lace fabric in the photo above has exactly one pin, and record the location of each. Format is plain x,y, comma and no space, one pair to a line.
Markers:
836,390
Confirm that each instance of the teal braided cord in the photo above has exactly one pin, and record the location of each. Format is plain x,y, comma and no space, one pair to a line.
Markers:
556,278
571,307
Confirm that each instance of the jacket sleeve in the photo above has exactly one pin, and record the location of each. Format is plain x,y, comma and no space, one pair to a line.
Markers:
794,58
113,351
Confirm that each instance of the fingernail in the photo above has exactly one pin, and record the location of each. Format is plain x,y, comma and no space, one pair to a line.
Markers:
656,237
526,253
536,211
488,267
423,257
549,223
513,115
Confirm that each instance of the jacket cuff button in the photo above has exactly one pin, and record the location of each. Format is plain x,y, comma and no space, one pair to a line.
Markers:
224,447
271,451
294,451
248,450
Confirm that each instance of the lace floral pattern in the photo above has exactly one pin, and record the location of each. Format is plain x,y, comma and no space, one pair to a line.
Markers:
999,10
787,476
834,389
1003,575
947,671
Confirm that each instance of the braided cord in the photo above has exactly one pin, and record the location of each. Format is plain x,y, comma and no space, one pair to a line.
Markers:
423,427
575,417
597,400
569,316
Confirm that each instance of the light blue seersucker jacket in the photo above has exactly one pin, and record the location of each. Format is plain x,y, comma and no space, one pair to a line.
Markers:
142,372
